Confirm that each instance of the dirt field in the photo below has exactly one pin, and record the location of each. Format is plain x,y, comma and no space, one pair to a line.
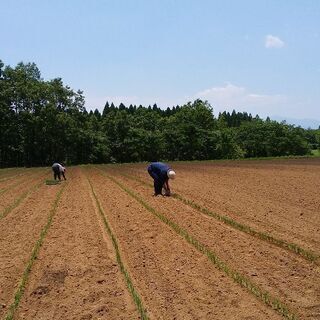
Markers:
237,240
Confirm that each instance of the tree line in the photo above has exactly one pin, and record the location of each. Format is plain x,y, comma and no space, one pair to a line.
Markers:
46,121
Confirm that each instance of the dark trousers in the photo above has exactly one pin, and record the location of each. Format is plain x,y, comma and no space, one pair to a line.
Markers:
157,182
56,173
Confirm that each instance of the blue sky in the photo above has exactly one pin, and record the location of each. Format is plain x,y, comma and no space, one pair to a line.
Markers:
257,56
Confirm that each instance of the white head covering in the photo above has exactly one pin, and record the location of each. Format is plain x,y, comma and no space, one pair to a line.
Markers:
171,174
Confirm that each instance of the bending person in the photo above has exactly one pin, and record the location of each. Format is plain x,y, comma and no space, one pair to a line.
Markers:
161,172
58,170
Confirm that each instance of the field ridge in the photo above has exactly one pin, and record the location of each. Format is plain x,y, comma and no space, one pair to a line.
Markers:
243,281
135,295
35,251
292,247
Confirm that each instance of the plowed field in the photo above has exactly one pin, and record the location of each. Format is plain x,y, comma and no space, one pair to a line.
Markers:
236,240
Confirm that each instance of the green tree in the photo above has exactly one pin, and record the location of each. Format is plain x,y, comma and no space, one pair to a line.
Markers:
188,132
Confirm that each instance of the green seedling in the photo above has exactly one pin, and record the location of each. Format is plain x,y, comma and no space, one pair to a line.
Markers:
34,254
243,281
292,247
134,293
17,201
52,182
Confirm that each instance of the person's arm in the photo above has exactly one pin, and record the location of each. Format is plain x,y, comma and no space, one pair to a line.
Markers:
167,188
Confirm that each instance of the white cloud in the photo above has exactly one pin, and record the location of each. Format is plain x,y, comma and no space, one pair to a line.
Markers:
230,97
222,98
273,42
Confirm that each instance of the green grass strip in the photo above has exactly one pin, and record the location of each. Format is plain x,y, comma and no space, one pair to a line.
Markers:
52,182
292,247
243,281
4,190
17,174
7,210
10,187
4,176
132,290
5,170
292,157
10,177
306,254
21,288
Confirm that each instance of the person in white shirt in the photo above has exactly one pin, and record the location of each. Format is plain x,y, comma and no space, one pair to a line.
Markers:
58,170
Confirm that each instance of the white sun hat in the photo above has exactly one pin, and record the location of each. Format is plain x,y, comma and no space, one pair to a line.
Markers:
171,174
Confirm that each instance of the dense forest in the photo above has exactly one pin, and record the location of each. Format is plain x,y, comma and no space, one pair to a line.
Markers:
46,121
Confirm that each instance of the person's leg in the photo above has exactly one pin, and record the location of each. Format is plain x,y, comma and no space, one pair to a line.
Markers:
156,182
157,187
55,173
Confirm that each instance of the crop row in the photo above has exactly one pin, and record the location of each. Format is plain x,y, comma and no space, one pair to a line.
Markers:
35,251
36,248
19,199
132,290
242,280
289,246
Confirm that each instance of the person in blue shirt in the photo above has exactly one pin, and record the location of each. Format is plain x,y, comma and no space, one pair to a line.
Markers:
161,172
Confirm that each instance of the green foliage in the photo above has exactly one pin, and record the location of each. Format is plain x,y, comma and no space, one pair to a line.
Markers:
46,121
188,133
313,138
270,138
315,153
52,182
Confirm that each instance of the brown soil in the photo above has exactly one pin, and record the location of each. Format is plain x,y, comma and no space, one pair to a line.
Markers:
174,279
76,275
286,276
13,189
281,197
7,174
18,233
